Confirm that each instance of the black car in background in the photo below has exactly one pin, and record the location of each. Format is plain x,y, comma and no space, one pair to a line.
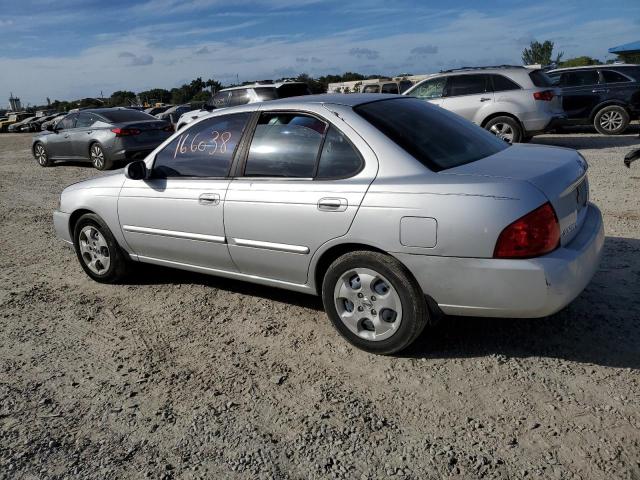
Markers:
102,136
606,96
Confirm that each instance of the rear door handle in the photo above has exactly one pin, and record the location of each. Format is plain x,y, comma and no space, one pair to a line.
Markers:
209,199
484,99
328,204
600,90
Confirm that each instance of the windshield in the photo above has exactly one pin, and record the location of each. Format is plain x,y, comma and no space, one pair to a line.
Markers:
126,115
435,137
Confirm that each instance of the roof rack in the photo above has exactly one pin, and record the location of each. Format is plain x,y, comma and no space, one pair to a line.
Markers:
489,67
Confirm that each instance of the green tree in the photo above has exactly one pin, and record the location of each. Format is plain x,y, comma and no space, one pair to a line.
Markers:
155,95
540,53
580,62
122,98
214,85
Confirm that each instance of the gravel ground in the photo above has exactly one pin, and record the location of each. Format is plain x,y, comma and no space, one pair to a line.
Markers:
179,375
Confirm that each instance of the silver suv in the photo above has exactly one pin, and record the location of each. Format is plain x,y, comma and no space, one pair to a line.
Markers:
257,92
512,102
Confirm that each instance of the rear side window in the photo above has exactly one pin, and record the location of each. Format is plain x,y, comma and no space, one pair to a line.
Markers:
266,93
126,115
540,79
467,85
86,120
435,137
579,78
390,88
292,90
339,158
285,145
610,76
501,84
239,97
204,150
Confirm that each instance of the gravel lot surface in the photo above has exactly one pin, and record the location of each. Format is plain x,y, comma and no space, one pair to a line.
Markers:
179,375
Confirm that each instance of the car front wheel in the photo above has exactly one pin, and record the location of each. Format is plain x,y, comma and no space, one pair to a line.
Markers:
98,158
505,128
41,156
98,252
612,120
374,302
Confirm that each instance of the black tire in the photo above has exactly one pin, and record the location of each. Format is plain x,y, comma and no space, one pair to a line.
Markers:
98,158
506,128
41,155
415,314
119,264
611,120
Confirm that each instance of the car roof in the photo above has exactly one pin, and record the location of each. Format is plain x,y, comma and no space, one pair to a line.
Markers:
588,67
261,85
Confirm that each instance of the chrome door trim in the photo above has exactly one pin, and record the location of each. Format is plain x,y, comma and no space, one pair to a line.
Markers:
175,234
280,247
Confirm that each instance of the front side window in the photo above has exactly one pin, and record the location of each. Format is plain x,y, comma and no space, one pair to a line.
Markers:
204,150
390,88
430,89
221,99
435,137
579,78
467,85
67,122
609,76
285,145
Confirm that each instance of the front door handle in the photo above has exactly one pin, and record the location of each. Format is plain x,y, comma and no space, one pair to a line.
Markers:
600,90
484,99
209,199
328,204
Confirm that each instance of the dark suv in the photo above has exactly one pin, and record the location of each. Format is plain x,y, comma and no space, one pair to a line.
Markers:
607,96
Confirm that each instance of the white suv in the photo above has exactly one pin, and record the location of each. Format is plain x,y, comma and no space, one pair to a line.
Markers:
257,92
512,102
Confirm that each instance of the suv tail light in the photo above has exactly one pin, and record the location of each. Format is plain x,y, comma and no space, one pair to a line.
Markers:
535,234
125,132
545,95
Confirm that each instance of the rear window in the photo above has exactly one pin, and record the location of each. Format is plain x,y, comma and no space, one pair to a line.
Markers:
435,137
119,116
610,76
540,79
293,90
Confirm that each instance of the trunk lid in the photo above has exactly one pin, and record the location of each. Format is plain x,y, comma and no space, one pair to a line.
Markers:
559,173
150,131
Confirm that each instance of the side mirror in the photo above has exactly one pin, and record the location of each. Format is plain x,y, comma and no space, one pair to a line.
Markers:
136,170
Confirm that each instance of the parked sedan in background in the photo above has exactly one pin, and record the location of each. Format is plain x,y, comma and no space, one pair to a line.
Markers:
381,204
605,96
11,119
16,127
101,135
52,121
514,103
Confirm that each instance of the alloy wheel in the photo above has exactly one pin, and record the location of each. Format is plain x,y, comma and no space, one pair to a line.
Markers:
41,155
611,121
94,250
97,157
368,304
503,131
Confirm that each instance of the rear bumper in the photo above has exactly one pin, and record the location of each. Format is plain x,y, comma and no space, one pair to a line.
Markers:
544,124
528,288
61,226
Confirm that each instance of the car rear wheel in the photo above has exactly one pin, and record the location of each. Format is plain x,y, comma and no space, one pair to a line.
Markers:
98,252
41,156
505,128
611,120
374,302
98,159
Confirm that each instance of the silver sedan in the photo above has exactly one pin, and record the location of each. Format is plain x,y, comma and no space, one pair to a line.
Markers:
391,209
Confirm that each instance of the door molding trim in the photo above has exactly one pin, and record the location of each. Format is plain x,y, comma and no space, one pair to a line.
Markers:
279,247
175,234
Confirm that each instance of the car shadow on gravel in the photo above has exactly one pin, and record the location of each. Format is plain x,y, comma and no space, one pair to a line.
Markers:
585,138
146,274
602,326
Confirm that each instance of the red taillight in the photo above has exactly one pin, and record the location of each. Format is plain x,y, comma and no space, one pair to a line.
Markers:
125,132
535,234
546,95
